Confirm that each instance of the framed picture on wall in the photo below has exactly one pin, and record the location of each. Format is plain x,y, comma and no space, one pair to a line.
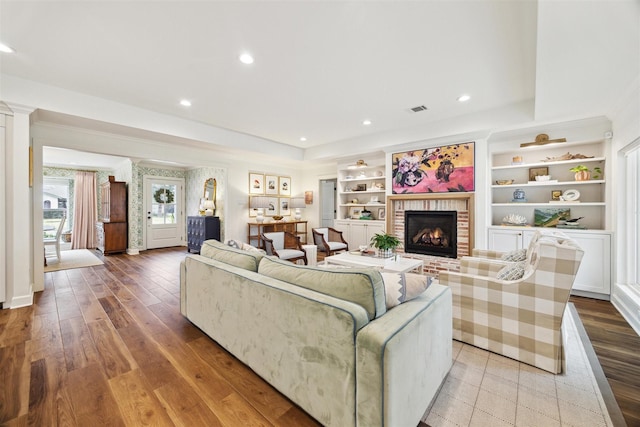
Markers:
256,183
285,186
274,207
381,212
285,209
434,170
271,184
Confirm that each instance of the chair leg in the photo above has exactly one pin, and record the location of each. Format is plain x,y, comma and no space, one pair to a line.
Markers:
58,251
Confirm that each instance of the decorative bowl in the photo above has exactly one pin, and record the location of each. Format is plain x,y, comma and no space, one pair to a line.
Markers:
277,217
543,177
514,219
504,181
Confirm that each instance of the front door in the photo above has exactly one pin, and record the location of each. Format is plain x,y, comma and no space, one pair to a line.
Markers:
164,207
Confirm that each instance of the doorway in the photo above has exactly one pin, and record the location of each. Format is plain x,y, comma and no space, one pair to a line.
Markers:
328,197
164,201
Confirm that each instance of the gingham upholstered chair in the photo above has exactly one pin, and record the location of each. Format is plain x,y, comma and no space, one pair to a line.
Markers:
329,240
520,318
284,245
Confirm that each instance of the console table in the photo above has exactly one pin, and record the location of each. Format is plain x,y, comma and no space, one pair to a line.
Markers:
299,228
201,228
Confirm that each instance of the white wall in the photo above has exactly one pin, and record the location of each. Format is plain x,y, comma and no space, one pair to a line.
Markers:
626,130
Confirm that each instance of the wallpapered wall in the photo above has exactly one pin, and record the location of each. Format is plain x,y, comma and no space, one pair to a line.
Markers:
70,174
134,174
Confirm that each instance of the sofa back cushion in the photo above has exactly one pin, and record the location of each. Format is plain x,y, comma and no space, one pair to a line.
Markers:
248,260
362,286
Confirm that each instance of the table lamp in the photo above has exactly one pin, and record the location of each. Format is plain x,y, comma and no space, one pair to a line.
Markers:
209,207
298,203
259,203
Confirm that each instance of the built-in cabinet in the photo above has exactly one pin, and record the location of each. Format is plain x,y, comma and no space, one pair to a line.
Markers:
594,275
361,189
359,232
590,200
111,230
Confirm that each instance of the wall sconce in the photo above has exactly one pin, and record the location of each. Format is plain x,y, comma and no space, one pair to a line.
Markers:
259,203
298,203
542,139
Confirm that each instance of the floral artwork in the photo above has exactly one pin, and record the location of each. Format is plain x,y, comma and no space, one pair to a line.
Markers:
443,169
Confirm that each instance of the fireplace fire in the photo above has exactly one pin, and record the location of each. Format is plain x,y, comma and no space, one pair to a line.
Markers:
431,233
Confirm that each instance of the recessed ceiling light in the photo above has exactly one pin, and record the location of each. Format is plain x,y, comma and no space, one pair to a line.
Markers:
303,139
185,103
464,98
366,122
246,58
6,49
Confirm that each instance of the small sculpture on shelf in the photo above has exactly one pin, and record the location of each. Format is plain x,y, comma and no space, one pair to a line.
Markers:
514,219
519,196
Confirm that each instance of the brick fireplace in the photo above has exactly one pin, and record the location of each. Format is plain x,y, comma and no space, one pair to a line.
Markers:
461,203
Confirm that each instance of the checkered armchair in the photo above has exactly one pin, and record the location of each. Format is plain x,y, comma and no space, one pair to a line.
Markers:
516,317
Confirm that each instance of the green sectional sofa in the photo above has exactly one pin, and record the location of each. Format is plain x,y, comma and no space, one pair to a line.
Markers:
323,338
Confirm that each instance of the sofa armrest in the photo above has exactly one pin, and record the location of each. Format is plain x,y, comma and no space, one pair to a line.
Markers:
402,359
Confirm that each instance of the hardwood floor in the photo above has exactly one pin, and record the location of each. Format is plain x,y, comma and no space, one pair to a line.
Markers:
618,349
107,345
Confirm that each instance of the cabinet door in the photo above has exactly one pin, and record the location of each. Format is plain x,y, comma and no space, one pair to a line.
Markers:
505,240
357,235
373,229
594,274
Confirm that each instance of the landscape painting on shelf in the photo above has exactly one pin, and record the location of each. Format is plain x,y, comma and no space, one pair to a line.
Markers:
443,169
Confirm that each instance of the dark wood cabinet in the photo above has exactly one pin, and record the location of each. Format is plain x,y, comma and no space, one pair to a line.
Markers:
201,228
112,230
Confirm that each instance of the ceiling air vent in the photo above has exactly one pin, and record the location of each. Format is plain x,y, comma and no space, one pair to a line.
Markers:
418,109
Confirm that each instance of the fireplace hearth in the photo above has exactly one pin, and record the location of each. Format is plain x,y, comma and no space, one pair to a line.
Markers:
431,233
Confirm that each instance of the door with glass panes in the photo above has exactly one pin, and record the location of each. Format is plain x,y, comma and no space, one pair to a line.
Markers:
163,206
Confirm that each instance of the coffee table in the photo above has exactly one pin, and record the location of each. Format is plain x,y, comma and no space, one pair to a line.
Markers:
392,265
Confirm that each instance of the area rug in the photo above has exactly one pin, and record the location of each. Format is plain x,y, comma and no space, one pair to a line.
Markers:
486,389
76,258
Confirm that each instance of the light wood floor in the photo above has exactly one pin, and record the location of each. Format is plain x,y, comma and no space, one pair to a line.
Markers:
107,345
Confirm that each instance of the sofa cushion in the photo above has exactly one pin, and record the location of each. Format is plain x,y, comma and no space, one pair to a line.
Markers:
516,255
401,287
514,271
214,249
362,286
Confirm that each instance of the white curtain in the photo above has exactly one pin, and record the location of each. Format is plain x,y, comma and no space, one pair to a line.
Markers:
85,212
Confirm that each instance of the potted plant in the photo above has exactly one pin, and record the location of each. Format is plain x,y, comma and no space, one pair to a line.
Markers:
583,173
385,243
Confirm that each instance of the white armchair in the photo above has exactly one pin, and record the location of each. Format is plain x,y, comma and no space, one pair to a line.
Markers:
55,241
518,318
329,240
284,245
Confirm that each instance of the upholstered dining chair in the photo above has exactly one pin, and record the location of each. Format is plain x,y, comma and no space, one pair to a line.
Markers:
55,241
515,308
329,240
284,245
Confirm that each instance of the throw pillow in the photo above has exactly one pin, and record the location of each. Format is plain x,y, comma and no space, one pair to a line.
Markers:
248,247
233,244
515,256
402,287
513,271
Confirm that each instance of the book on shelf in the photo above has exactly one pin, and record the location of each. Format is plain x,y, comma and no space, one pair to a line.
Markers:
569,226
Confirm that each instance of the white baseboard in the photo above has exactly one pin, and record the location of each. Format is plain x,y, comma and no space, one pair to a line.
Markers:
131,251
626,299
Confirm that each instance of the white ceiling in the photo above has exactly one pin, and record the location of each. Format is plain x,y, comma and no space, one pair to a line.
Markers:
321,67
